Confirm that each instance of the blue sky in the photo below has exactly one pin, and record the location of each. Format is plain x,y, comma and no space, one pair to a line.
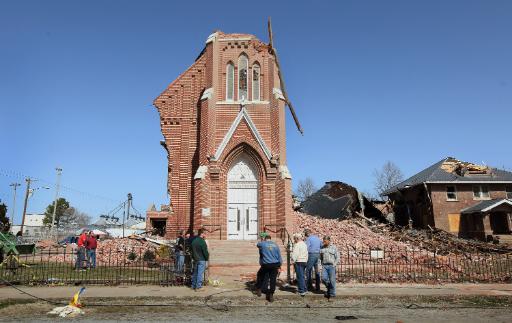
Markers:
406,81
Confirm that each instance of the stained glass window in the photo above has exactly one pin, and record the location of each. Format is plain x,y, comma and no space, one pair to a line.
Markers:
230,82
255,82
242,77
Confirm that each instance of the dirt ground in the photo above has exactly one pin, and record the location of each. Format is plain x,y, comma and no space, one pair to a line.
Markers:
285,309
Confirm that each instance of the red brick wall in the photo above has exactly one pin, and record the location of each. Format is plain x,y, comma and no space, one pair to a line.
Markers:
442,207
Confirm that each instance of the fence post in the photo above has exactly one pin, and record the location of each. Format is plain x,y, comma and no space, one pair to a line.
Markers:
288,271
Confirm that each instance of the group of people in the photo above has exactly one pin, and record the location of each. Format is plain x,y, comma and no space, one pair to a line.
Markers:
86,252
305,256
308,252
197,247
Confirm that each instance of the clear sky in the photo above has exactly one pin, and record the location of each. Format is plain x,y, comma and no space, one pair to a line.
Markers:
371,81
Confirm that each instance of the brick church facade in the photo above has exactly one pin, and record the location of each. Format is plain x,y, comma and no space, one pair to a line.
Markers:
223,122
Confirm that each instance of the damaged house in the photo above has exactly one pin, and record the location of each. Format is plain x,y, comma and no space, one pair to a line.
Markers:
466,199
337,200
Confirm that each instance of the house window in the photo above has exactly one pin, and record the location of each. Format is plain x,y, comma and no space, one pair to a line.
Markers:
451,193
480,192
255,82
243,64
230,82
509,192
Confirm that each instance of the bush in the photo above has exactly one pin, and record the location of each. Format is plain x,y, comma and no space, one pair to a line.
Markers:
132,256
148,256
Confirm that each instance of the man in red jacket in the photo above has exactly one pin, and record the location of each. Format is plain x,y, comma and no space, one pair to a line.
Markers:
90,245
80,252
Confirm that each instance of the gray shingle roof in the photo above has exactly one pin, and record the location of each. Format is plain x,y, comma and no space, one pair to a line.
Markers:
435,174
486,206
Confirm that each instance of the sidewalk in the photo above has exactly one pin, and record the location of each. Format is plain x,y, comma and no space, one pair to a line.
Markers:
352,290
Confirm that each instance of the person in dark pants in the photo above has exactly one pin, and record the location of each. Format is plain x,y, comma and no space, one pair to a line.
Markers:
270,260
259,274
91,244
300,258
80,252
314,244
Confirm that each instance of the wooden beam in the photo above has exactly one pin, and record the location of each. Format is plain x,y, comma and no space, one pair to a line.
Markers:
281,79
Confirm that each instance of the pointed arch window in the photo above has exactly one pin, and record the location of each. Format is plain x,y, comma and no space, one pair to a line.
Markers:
256,82
243,64
230,81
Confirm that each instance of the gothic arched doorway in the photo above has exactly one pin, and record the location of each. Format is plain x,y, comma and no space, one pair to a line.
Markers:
242,200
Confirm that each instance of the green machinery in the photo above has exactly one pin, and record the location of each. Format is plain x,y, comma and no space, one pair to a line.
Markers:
10,248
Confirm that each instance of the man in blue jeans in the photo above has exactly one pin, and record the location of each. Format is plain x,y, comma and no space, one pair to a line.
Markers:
201,256
330,259
314,244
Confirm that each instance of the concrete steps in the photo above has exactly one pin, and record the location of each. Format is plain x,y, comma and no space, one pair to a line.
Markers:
235,258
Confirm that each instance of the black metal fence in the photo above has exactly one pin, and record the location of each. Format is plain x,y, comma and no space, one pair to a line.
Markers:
155,265
114,266
420,266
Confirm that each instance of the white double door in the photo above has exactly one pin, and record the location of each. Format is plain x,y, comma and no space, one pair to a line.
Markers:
242,201
242,221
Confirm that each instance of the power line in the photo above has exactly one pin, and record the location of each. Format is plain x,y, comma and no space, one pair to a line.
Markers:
18,175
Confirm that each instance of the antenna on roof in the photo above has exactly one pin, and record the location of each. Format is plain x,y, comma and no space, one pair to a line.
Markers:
273,51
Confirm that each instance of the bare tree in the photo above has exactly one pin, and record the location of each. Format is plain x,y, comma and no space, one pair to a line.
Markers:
387,177
305,189
372,196
73,218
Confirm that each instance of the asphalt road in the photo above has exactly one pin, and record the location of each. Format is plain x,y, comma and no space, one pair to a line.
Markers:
284,309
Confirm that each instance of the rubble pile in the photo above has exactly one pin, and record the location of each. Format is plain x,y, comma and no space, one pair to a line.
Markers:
347,234
44,244
439,241
117,250
109,251
359,235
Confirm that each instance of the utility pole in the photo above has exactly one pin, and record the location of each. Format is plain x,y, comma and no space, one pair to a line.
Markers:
13,212
127,213
59,172
28,180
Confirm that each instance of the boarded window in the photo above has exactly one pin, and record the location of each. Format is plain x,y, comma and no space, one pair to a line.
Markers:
243,64
509,192
230,82
480,192
451,193
454,222
256,82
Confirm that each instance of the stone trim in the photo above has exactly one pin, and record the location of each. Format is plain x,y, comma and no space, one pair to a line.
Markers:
233,102
278,94
207,94
285,172
211,38
201,172
242,115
